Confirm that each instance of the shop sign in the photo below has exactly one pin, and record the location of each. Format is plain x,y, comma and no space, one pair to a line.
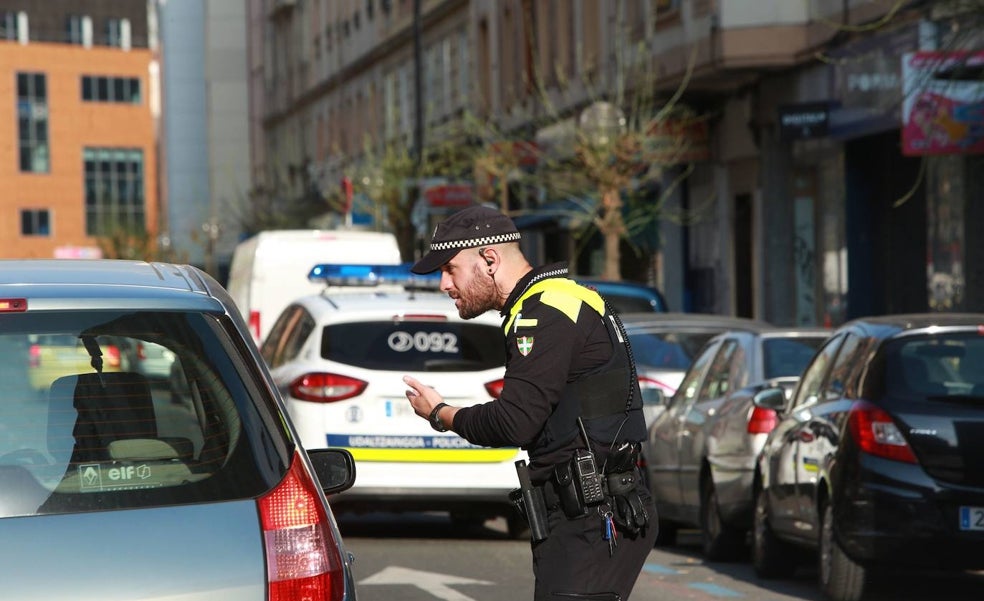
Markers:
868,80
804,121
679,139
78,252
943,105
449,195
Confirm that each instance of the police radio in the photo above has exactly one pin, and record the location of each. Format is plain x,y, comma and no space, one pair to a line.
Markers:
588,479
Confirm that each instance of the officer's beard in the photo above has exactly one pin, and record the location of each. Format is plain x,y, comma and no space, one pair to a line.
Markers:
480,295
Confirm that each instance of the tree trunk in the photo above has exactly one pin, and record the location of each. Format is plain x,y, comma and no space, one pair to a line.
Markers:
612,227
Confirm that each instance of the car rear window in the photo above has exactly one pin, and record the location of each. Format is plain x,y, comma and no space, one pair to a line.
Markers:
86,424
414,345
788,357
669,350
931,367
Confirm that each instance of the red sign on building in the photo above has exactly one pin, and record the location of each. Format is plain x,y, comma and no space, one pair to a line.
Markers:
450,195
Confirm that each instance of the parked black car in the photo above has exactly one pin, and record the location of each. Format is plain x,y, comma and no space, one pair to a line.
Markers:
878,459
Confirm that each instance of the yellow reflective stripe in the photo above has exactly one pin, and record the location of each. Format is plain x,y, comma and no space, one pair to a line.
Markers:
563,294
563,302
526,323
433,455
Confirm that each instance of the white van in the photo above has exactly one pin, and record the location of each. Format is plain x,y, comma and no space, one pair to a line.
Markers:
270,270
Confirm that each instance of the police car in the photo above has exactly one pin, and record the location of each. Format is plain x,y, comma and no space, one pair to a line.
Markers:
339,358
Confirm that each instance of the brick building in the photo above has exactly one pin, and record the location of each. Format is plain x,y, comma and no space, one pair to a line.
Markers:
78,154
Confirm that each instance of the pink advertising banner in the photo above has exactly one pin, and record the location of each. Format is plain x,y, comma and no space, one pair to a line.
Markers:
943,103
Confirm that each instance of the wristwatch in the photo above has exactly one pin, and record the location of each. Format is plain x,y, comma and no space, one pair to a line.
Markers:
435,418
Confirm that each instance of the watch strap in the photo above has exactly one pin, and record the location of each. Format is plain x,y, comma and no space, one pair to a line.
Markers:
435,417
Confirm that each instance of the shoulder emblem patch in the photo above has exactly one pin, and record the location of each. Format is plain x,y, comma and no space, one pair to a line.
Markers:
524,344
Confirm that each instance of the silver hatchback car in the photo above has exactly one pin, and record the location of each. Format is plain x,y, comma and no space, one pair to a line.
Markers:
128,489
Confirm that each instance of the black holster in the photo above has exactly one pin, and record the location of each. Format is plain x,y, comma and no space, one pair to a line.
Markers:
622,480
528,499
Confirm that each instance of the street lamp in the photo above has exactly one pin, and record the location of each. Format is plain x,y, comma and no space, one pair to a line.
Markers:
601,123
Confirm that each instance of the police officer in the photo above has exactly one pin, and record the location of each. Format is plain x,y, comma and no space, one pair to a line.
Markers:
570,395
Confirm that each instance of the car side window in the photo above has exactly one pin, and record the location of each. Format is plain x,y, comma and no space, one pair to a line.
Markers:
846,360
813,376
287,336
716,382
688,387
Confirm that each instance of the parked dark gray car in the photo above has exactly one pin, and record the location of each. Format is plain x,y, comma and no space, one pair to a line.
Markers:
701,451
113,489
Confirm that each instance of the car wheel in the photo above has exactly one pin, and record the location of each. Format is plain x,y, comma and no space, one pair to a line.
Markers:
719,541
841,578
771,557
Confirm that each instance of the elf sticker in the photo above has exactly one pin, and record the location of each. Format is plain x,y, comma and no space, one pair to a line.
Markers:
525,345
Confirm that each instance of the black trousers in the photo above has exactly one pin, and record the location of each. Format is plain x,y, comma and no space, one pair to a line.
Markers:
574,561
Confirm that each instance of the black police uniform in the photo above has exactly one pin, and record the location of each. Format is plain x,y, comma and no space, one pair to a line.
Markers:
565,359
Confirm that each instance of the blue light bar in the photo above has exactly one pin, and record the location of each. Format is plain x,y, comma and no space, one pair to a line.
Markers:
346,274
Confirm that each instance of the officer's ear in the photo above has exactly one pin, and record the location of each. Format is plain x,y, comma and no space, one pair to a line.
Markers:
487,256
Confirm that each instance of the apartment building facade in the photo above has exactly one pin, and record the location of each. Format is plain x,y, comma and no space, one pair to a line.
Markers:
804,204
80,158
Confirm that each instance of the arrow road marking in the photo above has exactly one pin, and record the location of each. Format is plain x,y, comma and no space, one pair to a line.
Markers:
429,582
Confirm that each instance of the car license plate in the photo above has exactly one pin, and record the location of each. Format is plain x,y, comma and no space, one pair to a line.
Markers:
971,518
399,408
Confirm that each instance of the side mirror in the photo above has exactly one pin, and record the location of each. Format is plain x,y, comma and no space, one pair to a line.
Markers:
653,397
335,469
770,398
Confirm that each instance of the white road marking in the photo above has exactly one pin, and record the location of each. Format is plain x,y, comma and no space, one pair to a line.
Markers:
430,582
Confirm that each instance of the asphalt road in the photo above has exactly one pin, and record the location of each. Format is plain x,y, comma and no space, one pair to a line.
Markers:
420,557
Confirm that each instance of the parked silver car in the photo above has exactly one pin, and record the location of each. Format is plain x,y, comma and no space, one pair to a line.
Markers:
665,344
701,451
125,494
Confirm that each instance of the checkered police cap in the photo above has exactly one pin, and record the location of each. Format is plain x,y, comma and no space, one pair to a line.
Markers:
468,228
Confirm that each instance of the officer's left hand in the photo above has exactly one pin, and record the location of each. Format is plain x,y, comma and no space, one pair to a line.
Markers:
422,398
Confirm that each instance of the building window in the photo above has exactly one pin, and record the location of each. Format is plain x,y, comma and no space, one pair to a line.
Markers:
98,88
74,29
114,191
114,33
8,25
35,222
32,122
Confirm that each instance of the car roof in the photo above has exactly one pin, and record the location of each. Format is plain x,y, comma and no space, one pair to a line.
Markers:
623,288
691,320
908,321
356,304
46,282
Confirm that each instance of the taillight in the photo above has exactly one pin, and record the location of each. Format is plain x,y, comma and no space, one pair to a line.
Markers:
494,388
651,383
254,324
140,351
35,355
13,305
326,388
112,355
876,433
303,560
762,421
